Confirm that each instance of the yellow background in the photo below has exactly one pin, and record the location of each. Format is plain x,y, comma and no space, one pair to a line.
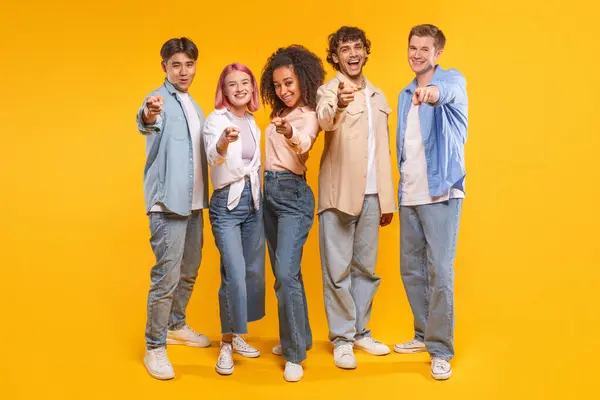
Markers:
75,255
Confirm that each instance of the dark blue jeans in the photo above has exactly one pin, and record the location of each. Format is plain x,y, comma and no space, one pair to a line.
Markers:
289,213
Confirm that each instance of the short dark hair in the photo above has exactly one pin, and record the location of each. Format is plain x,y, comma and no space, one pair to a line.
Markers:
346,34
439,40
306,65
178,45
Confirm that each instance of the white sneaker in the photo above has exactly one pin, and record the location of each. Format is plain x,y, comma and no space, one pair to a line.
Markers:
225,361
293,372
158,365
243,348
343,356
412,346
440,369
188,337
372,346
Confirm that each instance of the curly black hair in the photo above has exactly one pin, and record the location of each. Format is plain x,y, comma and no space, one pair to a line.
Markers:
308,68
346,34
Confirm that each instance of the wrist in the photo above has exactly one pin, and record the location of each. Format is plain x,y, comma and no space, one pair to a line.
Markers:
222,145
148,118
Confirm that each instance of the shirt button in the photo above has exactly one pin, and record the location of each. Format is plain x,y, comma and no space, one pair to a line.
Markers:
191,176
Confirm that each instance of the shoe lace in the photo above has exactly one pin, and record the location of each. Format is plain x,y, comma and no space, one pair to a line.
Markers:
188,329
241,343
440,364
346,349
292,365
225,354
161,358
370,340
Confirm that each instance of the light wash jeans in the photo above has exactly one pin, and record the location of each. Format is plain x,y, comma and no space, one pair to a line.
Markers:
428,236
289,215
177,244
240,237
348,257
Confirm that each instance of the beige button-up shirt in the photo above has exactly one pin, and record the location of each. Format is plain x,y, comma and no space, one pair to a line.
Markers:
343,174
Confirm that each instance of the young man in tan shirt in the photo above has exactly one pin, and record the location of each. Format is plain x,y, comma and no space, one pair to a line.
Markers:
356,194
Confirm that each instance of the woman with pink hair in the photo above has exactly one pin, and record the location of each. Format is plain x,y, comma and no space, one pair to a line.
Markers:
232,141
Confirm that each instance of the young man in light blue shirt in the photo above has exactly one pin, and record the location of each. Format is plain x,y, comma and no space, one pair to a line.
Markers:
176,191
432,131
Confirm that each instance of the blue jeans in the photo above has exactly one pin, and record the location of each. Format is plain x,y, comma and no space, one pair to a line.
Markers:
240,237
289,215
177,245
428,236
348,257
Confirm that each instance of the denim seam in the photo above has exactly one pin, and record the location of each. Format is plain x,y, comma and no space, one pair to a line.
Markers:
163,233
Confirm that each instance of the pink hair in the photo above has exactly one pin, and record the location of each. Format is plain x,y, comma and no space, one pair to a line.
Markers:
221,100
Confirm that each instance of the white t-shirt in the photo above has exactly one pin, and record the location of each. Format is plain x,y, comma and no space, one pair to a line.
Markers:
195,132
415,186
371,168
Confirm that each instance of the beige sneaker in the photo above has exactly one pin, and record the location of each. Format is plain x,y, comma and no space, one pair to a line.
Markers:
412,346
440,369
293,372
158,365
343,356
243,348
225,360
188,337
372,346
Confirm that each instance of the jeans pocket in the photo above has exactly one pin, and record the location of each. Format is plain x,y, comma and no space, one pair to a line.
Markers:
286,189
288,184
220,197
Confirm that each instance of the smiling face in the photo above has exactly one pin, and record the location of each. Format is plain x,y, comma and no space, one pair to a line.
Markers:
238,89
350,57
422,55
287,87
180,69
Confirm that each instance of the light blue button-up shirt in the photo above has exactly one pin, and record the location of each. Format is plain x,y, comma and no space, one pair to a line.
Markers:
444,131
169,170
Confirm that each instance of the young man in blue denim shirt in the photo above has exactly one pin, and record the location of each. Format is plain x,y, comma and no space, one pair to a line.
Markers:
432,131
175,191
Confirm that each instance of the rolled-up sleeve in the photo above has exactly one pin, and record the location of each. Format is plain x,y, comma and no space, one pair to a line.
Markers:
211,136
329,114
304,133
148,129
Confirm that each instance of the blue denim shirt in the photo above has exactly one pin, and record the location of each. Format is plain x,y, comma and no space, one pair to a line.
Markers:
444,131
169,170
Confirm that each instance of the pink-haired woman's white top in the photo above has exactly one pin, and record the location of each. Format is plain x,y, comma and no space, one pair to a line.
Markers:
231,169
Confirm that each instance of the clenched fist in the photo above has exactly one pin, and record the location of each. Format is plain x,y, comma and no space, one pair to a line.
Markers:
429,94
386,219
152,108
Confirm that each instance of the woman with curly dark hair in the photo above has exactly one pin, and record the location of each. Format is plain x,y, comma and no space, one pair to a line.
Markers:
289,84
